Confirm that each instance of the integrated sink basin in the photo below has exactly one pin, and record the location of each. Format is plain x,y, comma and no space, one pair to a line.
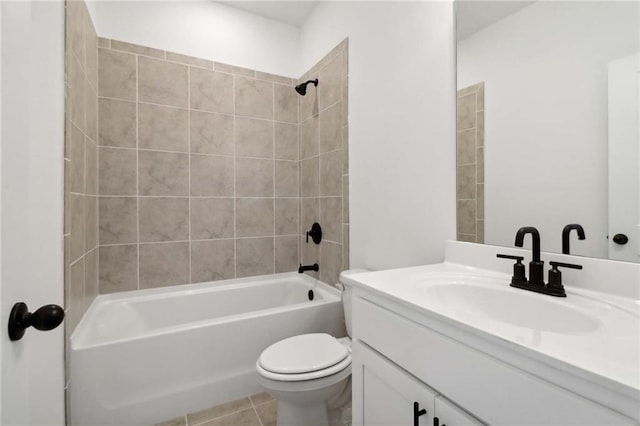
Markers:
512,306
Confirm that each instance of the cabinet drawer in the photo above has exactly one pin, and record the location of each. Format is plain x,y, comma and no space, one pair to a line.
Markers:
491,390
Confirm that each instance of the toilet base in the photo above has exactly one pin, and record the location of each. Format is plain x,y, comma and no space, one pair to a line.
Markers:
291,414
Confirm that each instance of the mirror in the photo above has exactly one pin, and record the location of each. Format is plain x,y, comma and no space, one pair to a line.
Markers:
548,124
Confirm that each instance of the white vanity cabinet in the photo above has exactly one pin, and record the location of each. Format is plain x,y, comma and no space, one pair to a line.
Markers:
392,396
398,359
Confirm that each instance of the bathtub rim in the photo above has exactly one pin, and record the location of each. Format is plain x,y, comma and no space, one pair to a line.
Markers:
76,341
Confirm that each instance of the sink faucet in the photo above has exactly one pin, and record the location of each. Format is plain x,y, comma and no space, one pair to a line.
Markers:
536,266
565,236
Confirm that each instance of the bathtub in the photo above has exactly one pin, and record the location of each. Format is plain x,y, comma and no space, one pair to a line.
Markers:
145,356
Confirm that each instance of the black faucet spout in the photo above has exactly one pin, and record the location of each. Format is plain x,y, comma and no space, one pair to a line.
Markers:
535,237
305,268
565,236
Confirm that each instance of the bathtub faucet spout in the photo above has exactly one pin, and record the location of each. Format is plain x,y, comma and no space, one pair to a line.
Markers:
304,268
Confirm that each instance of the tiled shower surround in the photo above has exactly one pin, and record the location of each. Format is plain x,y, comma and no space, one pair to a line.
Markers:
200,169
81,163
470,164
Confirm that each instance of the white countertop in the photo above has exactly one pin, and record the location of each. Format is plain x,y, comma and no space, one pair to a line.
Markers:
599,339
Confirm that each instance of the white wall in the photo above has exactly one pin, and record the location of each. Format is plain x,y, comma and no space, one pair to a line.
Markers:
545,74
203,29
401,125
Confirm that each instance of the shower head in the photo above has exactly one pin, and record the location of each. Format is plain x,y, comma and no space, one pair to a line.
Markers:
302,88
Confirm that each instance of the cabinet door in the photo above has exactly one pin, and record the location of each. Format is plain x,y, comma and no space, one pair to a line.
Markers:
448,414
388,393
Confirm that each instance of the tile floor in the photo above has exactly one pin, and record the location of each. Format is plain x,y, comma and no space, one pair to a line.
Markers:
255,410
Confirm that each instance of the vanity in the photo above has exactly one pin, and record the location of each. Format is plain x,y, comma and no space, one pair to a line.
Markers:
453,344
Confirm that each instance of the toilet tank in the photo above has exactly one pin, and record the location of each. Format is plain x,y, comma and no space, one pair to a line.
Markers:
346,296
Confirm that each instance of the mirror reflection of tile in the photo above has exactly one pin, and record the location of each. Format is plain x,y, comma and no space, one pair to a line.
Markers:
470,164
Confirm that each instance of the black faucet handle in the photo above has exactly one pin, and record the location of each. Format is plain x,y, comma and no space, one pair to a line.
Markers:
508,256
519,275
556,265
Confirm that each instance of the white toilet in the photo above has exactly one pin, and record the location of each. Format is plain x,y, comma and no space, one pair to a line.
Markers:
303,372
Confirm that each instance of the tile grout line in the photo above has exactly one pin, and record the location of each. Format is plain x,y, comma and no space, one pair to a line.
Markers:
255,411
273,152
137,175
189,164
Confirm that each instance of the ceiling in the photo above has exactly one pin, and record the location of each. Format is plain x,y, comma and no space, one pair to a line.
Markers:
289,12
471,15
474,15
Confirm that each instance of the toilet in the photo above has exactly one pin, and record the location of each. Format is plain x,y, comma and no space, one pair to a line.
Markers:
303,372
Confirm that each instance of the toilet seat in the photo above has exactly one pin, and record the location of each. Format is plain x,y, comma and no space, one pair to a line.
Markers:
303,357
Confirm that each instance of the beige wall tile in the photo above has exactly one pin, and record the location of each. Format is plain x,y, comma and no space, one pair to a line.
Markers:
466,216
480,165
309,213
273,78
77,157
163,173
286,179
218,411
309,138
286,141
330,262
466,147
287,253
77,216
466,182
254,256
254,98
164,264
254,217
163,128
116,75
286,216
345,247
76,287
77,85
212,176
254,138
480,97
162,82
135,48
75,28
91,222
90,278
118,266
345,100
117,171
308,103
212,218
330,83
211,133
232,69
480,128
118,220
285,103
466,112
480,231
331,128
309,177
91,167
254,177
331,173
469,238
164,219
91,112
480,202
189,60
211,91
331,219
310,254
212,260
345,150
345,198
104,42
117,123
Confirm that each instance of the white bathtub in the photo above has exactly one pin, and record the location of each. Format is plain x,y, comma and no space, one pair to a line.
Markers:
145,356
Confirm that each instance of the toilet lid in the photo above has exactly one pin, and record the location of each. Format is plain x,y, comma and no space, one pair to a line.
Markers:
303,354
